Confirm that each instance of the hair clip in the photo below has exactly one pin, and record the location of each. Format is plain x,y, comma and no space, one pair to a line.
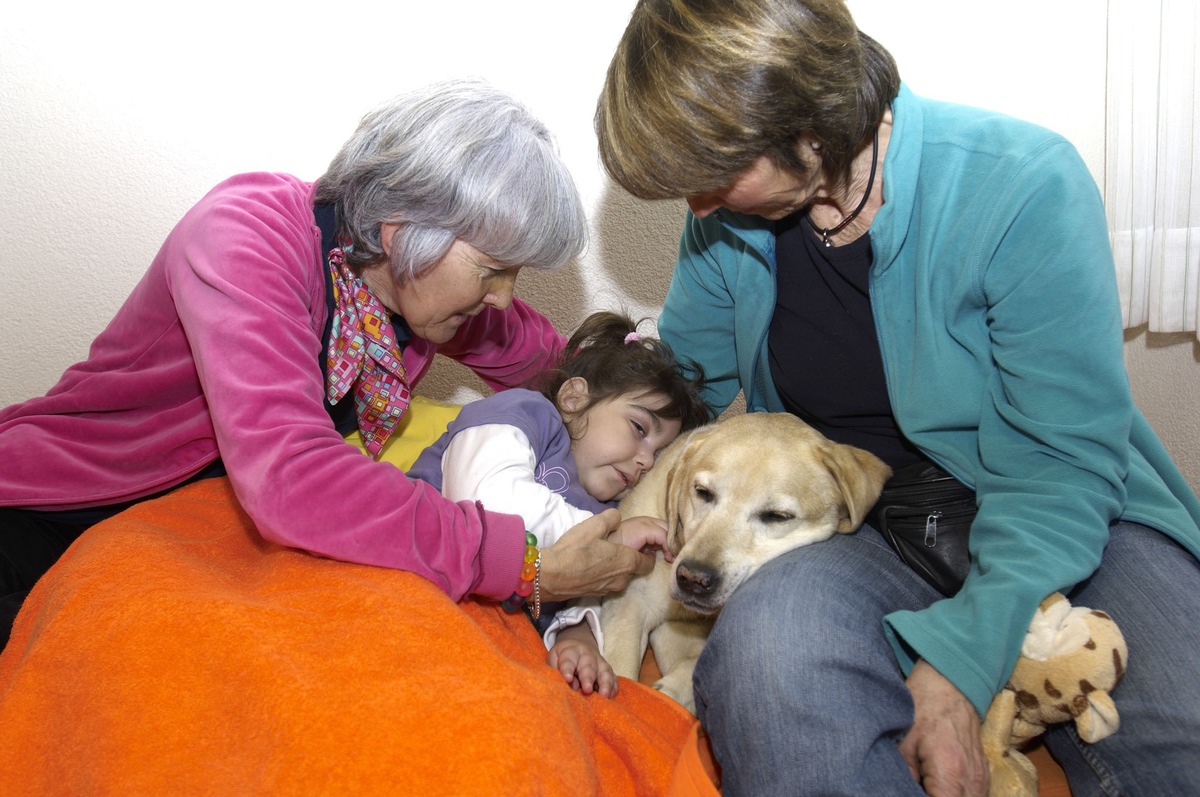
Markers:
632,337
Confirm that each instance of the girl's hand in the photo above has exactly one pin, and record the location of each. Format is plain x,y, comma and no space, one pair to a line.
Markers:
645,534
577,658
585,562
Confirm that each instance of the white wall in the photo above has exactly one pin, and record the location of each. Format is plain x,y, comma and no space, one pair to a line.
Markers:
115,118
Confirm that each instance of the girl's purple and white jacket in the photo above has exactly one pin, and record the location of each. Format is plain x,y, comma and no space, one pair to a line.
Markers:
512,453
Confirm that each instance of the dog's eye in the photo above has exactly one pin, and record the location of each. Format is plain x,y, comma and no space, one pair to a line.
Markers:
775,516
704,494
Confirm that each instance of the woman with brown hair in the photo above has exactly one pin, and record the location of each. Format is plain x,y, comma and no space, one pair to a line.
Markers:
932,283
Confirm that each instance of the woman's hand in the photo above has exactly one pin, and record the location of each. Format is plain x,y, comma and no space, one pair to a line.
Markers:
577,658
645,534
942,747
585,562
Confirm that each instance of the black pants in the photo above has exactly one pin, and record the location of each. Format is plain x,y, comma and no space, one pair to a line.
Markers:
30,544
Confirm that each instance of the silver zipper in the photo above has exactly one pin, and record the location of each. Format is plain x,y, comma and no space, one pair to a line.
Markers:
931,529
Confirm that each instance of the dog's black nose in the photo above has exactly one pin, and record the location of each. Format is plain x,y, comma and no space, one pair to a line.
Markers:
696,579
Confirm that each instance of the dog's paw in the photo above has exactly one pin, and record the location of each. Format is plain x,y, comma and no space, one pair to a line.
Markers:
678,689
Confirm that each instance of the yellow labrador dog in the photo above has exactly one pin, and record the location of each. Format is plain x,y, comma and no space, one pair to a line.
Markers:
735,495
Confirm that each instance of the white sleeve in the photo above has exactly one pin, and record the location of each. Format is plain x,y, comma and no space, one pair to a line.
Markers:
576,612
494,464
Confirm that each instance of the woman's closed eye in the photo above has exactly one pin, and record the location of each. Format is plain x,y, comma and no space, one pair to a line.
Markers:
497,271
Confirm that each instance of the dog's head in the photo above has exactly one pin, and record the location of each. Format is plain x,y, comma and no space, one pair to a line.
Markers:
738,493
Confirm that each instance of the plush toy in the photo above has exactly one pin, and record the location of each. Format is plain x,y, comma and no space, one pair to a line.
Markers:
1070,662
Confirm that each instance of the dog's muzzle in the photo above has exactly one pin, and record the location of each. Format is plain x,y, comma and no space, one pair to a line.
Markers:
695,585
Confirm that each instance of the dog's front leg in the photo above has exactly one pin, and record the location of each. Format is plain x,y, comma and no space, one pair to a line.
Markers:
623,622
677,645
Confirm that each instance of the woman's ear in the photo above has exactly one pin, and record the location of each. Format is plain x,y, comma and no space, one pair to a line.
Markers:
387,231
573,395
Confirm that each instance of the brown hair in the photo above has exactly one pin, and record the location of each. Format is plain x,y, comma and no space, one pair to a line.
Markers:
698,89
602,352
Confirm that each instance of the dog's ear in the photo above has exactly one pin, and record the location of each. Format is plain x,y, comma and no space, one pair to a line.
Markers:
678,464
860,476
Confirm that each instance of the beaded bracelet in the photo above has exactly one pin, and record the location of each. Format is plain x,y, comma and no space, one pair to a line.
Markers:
531,570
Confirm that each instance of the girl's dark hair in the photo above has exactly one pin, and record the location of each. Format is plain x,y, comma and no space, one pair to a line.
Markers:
598,352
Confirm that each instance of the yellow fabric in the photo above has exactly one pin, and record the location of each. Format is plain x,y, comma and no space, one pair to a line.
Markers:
423,422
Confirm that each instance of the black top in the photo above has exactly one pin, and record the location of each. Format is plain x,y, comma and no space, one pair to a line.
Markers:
822,347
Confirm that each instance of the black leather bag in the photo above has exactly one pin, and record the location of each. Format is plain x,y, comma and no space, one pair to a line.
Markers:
925,514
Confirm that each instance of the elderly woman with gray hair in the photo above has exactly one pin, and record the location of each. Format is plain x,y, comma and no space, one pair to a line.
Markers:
279,315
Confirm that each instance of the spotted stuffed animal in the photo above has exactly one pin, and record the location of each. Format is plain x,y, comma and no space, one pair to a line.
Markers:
1070,662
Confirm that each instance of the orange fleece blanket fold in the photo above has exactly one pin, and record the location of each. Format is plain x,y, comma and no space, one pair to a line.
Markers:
173,651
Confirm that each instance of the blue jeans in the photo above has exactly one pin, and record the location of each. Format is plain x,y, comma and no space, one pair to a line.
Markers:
801,694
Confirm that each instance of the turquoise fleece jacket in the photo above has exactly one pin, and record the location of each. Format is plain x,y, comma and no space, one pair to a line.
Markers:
996,306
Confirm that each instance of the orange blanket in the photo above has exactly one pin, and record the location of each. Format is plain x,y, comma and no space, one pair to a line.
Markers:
173,651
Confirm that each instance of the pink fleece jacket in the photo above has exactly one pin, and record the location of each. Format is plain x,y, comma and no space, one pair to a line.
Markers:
216,352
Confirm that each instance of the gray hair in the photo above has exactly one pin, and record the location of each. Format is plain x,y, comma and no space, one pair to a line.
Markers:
455,160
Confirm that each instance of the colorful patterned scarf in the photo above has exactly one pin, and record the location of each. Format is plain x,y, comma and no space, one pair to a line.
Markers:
363,354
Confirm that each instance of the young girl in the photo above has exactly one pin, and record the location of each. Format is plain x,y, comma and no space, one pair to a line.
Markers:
574,448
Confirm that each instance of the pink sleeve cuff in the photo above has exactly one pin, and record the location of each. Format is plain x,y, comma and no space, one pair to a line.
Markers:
501,553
